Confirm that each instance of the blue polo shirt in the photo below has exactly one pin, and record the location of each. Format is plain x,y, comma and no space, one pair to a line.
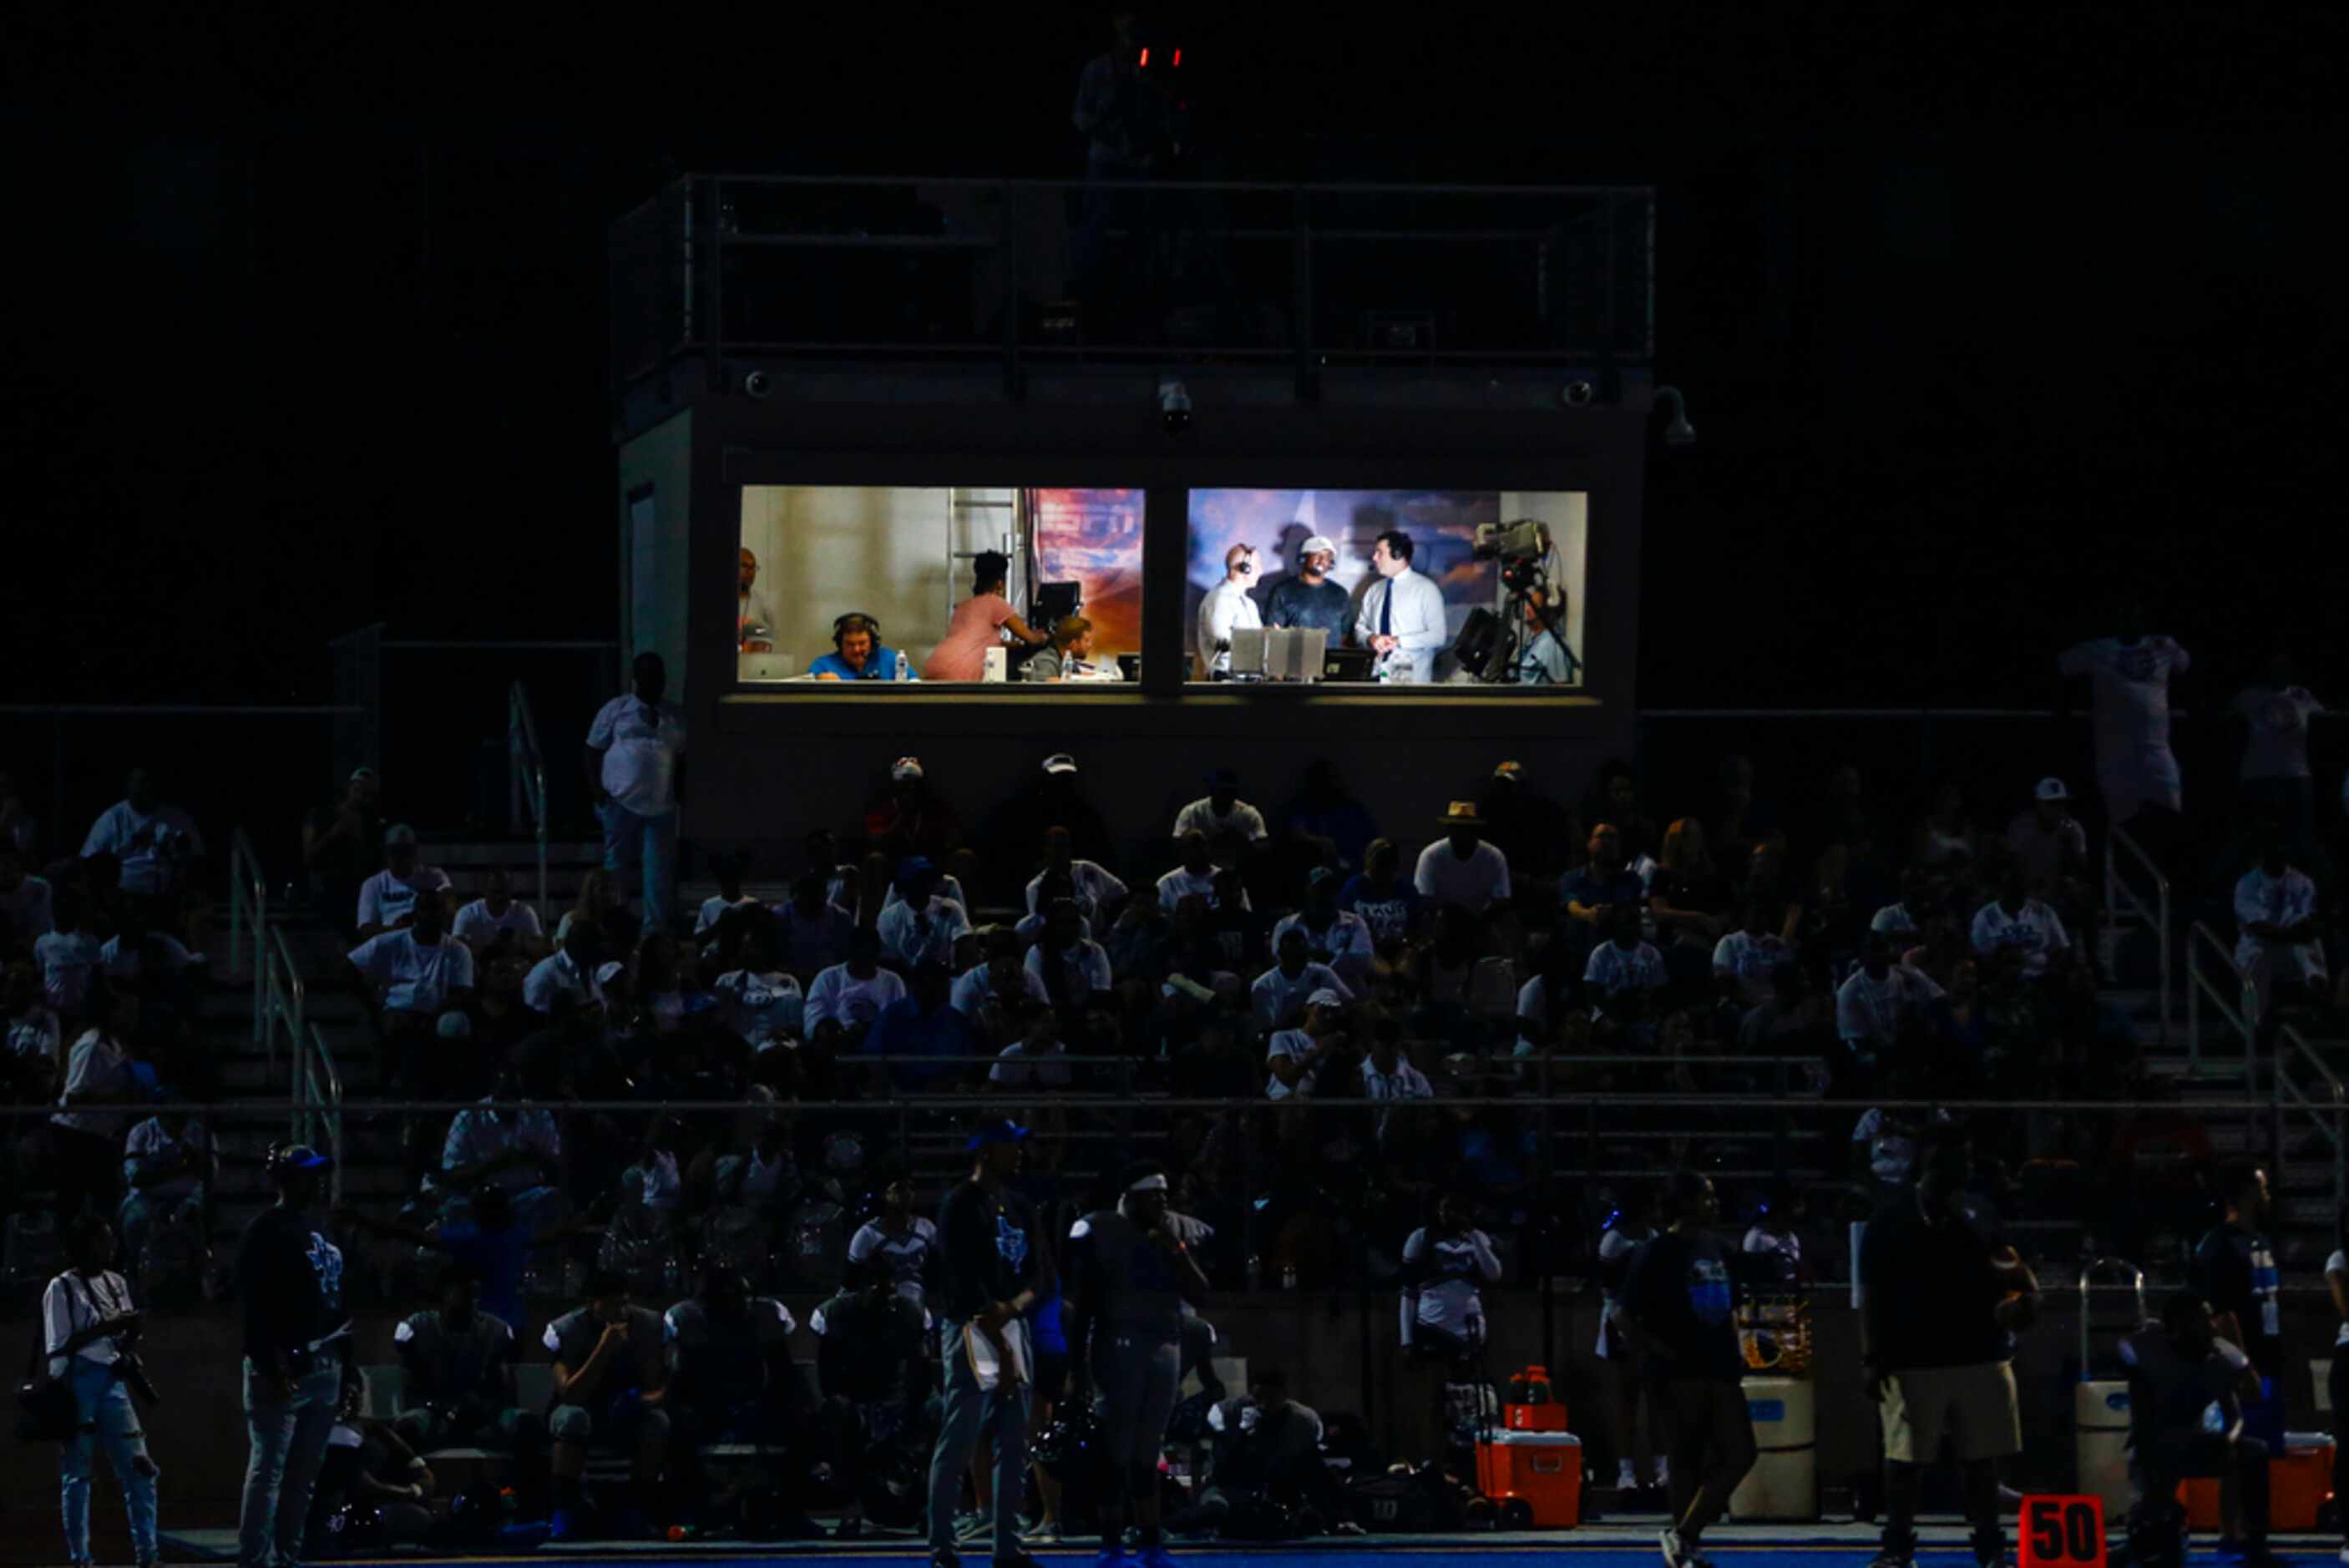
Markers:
882,664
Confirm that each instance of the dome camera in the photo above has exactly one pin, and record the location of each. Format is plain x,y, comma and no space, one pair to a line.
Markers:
1578,394
1173,407
758,386
1677,431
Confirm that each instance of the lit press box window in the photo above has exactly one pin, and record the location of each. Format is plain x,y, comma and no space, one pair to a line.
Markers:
1446,590
903,584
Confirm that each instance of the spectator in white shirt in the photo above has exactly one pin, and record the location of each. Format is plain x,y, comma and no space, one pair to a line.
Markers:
1221,811
1461,867
1294,1056
1403,616
2051,846
419,971
167,1169
1338,937
1097,892
497,924
87,1142
2278,939
1227,609
1387,1073
2275,712
1442,1308
387,900
566,982
1196,874
760,1002
1881,997
154,846
924,926
1904,920
847,998
999,979
69,955
1281,992
730,871
635,763
27,904
2130,677
1037,1058
516,1149
2014,920
1073,968
1624,962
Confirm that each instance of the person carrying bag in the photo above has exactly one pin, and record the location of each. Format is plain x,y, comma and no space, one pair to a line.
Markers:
88,1326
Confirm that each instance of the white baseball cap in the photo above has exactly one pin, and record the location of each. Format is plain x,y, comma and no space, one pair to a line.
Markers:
2051,790
1060,762
906,768
1325,997
1319,544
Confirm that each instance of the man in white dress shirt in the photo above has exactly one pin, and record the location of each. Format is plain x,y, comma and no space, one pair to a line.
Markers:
1227,609
1402,618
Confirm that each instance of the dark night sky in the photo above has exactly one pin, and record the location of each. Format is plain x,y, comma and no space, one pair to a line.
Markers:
1987,318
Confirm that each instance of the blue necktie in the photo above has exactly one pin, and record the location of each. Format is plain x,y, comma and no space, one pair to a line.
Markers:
1386,611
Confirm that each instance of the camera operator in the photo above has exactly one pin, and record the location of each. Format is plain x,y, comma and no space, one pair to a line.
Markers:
88,1330
875,1373
296,1339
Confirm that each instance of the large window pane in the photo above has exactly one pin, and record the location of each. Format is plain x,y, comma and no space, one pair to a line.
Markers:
905,559
1505,567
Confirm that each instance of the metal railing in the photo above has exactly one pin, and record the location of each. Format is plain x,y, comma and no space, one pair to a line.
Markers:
248,919
1307,275
2120,897
2321,1102
526,786
284,1002
317,1111
2200,985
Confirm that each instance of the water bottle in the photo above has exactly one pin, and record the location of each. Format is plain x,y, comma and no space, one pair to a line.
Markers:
1255,1272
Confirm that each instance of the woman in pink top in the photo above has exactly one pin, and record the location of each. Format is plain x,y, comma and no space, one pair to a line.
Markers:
978,625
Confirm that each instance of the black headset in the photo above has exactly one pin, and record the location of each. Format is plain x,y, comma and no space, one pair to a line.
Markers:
849,623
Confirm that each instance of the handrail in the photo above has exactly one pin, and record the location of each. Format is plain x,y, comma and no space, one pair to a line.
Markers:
284,1000
526,779
248,910
2198,985
2291,1045
2118,836
319,1104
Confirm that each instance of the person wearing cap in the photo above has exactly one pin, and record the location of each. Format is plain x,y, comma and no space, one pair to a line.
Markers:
1461,867
1310,600
634,765
1293,1057
1129,1276
297,1339
924,926
1221,811
1068,656
340,843
1281,992
1403,616
993,1264
754,624
1337,937
2051,846
1227,609
387,900
911,820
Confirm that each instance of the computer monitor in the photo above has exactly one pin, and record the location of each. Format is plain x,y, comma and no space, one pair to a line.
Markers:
1346,664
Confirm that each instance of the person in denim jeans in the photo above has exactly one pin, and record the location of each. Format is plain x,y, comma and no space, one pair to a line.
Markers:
635,763
296,1339
88,1325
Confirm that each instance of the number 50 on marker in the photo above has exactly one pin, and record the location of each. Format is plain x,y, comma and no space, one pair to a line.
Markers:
2061,1532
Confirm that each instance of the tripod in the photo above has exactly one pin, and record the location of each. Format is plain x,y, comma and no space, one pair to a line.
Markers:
1506,668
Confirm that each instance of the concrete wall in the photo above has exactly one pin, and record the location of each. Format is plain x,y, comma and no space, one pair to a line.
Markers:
655,532
198,1435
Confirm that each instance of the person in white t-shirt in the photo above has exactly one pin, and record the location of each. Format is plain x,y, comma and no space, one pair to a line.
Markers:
847,998
1281,992
1038,1057
1442,1266
635,763
1746,961
899,1243
1338,937
1097,892
2275,712
2051,846
69,955
1227,609
1220,812
2130,679
1624,962
2279,940
419,971
1294,1056
759,1001
999,978
32,1035
924,927
1196,874
1461,867
27,904
154,845
1073,968
387,900
567,981
497,924
1881,995
2014,920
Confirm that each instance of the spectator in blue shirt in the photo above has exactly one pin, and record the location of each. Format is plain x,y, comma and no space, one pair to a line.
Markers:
1589,891
921,1023
859,655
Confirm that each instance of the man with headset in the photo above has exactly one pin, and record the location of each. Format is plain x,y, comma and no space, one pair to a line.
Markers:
858,653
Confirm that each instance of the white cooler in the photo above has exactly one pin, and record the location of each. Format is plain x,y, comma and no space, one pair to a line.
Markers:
1785,1481
2100,1430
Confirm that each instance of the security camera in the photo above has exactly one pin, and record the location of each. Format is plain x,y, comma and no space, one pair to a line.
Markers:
758,386
1578,394
1174,407
1680,432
